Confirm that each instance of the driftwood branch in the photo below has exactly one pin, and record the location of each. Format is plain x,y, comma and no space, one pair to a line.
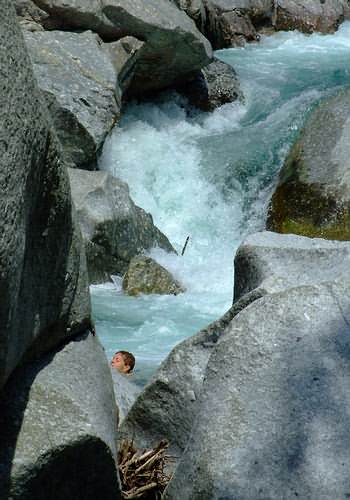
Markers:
142,472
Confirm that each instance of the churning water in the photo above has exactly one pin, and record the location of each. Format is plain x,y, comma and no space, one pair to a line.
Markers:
209,176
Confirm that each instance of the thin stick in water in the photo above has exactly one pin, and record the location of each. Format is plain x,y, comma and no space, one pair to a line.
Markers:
185,245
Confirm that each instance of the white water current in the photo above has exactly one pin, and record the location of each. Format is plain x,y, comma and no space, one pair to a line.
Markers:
209,176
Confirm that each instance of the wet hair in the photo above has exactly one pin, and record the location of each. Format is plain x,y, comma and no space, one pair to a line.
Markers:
129,359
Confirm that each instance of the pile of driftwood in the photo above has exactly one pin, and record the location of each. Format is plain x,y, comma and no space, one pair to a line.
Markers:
142,472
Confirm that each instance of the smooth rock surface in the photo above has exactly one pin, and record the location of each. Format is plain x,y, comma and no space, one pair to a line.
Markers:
145,275
174,47
58,427
43,280
125,393
214,85
274,412
310,15
81,90
313,194
114,229
274,262
167,407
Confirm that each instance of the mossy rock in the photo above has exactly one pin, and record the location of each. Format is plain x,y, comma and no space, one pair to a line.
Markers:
145,275
313,195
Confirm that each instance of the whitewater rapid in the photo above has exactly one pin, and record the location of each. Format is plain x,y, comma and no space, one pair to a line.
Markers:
209,176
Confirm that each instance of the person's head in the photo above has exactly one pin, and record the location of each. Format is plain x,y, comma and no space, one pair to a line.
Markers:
123,361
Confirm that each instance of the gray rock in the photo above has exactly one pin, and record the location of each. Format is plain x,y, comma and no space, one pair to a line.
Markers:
310,15
125,392
124,55
145,275
58,427
114,229
213,86
233,22
29,15
43,281
195,9
313,194
167,407
274,262
80,86
274,411
174,47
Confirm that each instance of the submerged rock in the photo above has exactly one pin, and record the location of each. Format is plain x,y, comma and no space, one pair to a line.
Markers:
273,416
58,427
81,90
145,275
114,229
214,85
310,15
313,194
43,280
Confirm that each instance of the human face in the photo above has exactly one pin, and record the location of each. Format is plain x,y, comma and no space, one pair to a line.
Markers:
119,363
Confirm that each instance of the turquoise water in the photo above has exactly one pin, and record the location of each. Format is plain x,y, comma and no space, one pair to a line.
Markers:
210,176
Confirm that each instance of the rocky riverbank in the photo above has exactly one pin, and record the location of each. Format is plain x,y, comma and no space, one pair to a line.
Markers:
256,403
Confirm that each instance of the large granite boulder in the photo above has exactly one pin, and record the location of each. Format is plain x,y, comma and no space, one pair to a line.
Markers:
233,22
125,392
43,281
273,418
313,194
145,275
310,15
174,47
273,262
114,229
167,407
213,86
81,89
58,427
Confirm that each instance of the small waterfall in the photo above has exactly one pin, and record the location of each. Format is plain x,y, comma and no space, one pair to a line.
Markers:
209,176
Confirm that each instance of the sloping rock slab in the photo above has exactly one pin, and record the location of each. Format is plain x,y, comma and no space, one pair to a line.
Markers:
174,46
274,262
310,15
125,393
114,229
145,275
58,428
124,55
81,89
313,194
167,407
213,86
43,281
274,412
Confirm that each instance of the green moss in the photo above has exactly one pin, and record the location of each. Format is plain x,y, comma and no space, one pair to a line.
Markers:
304,228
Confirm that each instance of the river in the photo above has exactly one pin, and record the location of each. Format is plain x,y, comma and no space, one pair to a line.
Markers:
210,176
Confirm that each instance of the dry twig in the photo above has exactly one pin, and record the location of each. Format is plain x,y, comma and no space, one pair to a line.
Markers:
142,472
